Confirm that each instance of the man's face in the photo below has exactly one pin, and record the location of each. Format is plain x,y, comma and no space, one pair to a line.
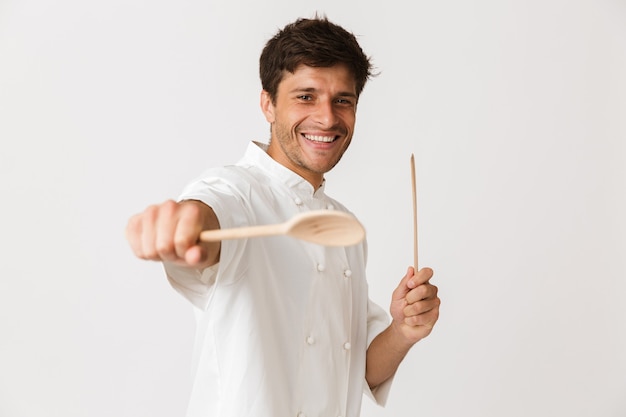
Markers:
312,119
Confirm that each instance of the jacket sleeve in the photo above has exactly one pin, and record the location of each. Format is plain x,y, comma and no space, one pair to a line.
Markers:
377,321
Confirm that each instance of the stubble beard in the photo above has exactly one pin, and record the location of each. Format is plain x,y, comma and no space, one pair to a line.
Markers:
290,146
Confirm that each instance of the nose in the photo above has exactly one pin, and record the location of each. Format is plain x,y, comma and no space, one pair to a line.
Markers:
325,114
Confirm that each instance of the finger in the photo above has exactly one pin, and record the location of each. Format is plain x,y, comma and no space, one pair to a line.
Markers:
133,235
424,291
421,307
422,276
148,235
195,255
188,233
403,289
420,325
427,319
165,230
188,228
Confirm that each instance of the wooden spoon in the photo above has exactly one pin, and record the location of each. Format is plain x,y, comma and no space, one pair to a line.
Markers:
324,227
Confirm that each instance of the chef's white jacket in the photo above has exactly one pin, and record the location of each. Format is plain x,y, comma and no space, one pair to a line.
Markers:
282,325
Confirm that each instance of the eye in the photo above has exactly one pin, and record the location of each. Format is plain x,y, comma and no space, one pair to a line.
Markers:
344,101
305,97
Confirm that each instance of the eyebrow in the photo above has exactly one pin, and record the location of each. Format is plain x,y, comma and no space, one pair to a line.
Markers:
314,90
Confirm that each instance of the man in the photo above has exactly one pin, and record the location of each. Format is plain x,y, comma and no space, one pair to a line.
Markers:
285,327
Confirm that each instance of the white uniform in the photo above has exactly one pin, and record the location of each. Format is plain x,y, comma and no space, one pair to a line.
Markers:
283,325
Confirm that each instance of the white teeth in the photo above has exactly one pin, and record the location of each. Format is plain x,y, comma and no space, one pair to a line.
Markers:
320,138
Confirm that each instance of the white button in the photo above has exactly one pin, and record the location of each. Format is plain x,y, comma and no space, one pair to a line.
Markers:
298,201
330,207
310,340
347,346
321,267
347,273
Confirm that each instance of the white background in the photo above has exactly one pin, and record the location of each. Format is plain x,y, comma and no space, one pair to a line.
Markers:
516,113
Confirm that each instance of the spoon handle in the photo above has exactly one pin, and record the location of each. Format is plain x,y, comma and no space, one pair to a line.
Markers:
414,189
216,235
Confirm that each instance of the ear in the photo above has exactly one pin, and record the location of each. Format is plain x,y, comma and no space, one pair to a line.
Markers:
267,107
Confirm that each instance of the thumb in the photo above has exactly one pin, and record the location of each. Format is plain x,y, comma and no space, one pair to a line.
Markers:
195,255
406,285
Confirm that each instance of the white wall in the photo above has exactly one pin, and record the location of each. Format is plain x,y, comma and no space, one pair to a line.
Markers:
515,112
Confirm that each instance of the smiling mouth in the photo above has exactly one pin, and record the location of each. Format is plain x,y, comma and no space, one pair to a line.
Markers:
323,139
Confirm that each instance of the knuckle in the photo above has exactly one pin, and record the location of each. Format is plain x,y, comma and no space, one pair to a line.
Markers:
183,242
191,210
168,207
148,254
191,205
417,294
414,309
151,212
163,248
411,321
423,292
133,224
408,311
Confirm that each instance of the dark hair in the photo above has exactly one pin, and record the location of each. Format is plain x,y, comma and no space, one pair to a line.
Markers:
314,42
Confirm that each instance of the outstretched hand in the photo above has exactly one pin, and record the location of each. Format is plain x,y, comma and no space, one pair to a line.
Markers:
415,305
169,232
